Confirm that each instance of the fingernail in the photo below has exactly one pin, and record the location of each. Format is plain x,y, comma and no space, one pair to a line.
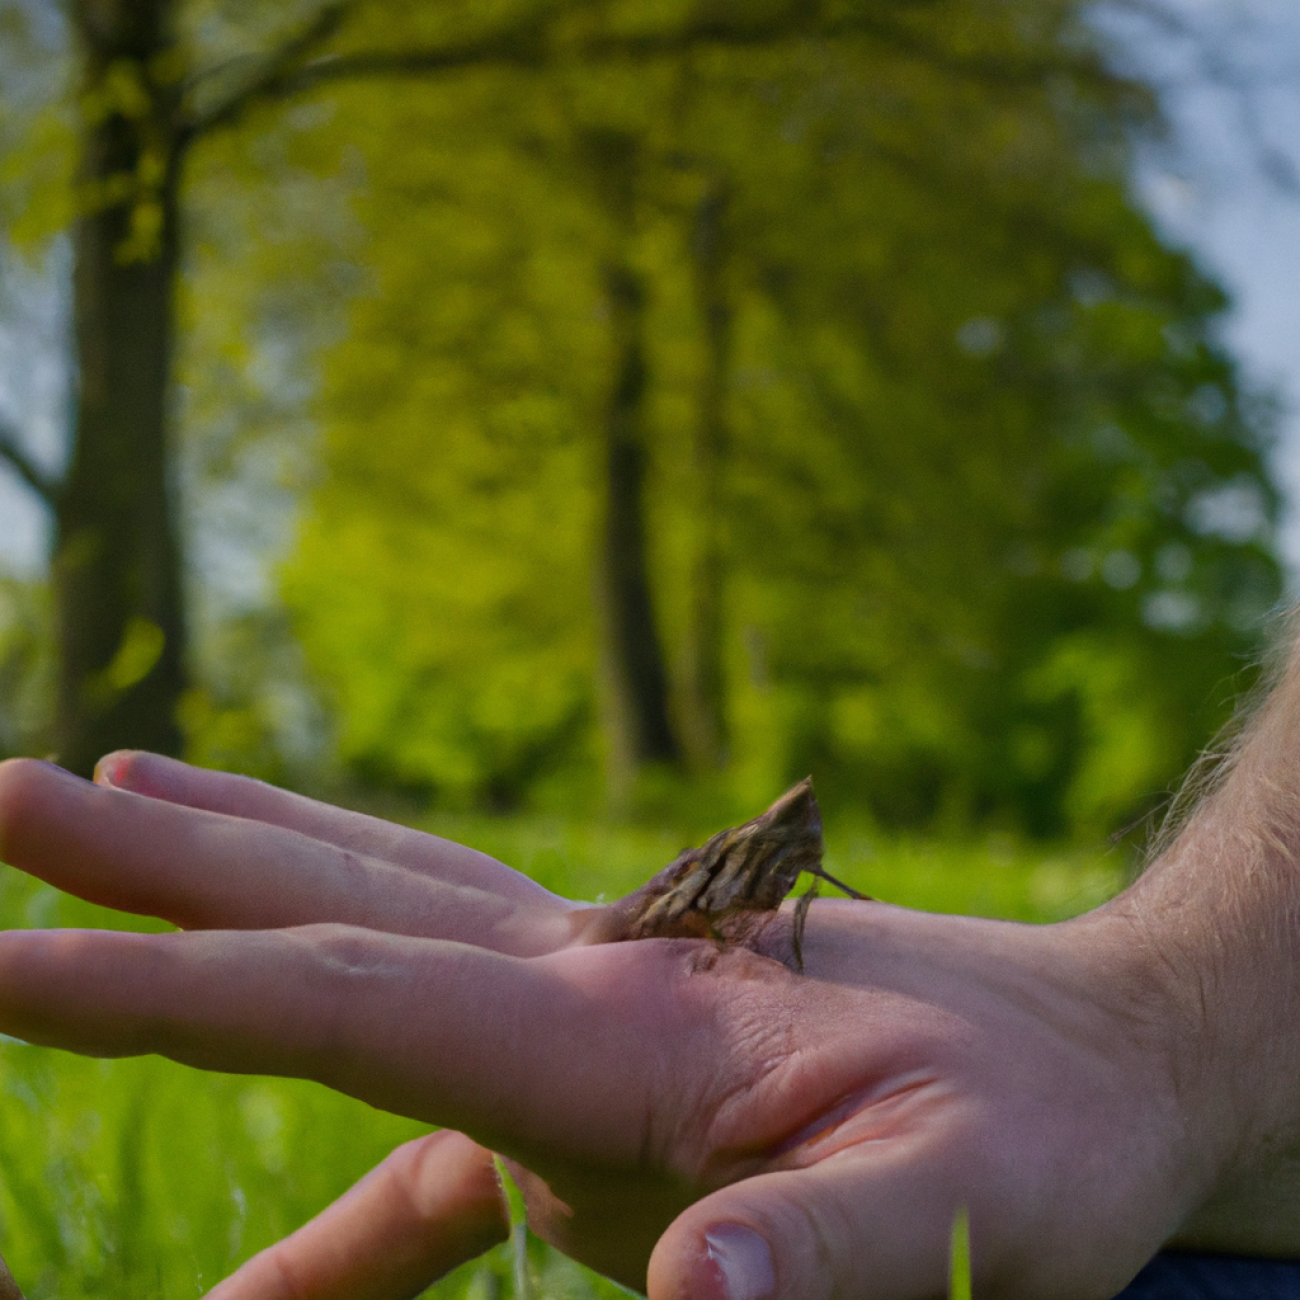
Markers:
109,769
740,1261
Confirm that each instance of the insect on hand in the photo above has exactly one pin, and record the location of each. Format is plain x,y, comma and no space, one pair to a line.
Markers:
733,885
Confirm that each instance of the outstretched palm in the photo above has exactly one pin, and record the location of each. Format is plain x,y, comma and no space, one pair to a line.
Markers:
659,1097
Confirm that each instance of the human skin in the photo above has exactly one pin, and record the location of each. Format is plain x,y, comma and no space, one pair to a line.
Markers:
696,1120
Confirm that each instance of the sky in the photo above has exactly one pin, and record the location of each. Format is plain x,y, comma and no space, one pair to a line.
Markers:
1225,184
33,394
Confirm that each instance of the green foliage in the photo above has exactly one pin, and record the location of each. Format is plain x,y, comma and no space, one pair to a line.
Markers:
26,669
147,1179
37,131
990,515
443,584
995,517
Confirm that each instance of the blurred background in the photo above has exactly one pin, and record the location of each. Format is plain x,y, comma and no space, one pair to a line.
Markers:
597,406
565,423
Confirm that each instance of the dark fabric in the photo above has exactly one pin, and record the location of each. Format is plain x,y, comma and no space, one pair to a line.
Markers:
1177,1276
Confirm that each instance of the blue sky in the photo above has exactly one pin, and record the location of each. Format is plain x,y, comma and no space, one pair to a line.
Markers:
33,392
1224,184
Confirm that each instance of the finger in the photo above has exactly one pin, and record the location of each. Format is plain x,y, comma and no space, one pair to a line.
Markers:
560,1053
430,1206
240,796
202,870
865,1222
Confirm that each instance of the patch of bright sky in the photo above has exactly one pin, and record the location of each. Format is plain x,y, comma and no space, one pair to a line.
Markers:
1225,184
34,394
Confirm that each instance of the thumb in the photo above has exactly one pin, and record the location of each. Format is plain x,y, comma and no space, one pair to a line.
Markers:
847,1227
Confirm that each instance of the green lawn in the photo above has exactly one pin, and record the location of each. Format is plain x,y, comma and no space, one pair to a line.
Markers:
142,1178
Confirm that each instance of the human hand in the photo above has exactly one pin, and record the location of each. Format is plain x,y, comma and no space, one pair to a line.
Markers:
699,1117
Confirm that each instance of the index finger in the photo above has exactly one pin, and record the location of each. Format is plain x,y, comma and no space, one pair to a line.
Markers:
240,796
209,870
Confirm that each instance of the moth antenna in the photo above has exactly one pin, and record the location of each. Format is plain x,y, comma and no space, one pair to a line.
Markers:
839,884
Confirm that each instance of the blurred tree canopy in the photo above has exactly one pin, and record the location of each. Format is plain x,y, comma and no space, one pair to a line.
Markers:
719,390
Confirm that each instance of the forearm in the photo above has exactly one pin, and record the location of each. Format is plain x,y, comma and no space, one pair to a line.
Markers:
1220,911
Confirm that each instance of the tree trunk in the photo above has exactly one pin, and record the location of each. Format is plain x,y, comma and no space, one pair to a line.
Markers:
117,562
704,725
637,687
638,729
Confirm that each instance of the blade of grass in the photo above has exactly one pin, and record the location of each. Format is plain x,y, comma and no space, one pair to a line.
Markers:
518,1232
959,1257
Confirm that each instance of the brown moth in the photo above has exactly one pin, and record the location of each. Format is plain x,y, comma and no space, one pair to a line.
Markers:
731,887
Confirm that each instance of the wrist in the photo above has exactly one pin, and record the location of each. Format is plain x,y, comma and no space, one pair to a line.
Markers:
1212,953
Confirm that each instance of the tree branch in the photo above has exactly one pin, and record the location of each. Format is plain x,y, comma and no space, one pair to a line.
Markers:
270,72
45,487
291,71
1213,61
514,49
528,48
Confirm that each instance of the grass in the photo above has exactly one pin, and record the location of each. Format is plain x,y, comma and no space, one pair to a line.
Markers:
959,1258
144,1178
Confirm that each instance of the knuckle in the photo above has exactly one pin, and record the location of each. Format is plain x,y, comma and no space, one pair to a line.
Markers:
731,1105
286,1282
23,782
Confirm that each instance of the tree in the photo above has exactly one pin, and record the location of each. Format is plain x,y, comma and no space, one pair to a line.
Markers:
885,207
144,99
117,565
932,428
638,727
